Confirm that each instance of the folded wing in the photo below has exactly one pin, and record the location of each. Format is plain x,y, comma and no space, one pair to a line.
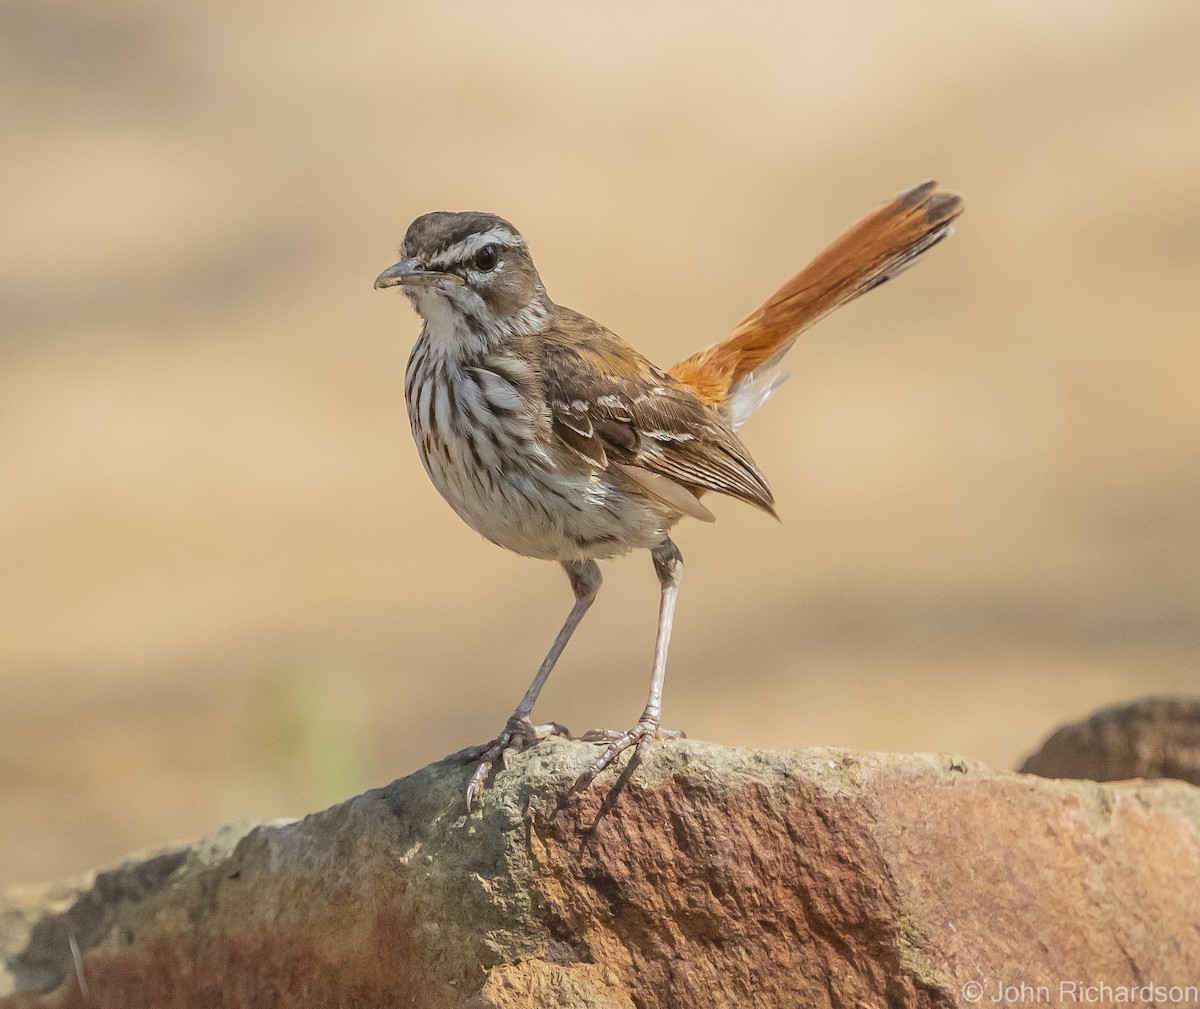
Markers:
618,411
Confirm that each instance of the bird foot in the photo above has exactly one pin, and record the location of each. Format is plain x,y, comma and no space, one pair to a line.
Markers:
640,736
518,734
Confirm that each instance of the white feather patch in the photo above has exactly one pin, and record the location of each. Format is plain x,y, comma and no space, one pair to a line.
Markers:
751,392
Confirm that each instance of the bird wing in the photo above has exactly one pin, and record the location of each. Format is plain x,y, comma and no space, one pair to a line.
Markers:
616,410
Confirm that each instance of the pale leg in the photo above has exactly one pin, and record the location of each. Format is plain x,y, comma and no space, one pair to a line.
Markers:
520,732
669,566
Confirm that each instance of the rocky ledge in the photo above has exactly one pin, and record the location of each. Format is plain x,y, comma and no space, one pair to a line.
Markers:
710,877
1153,737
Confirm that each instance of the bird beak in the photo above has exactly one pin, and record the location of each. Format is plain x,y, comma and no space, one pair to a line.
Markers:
409,271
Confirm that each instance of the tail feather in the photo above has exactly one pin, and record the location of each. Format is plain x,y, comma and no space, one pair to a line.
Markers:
738,374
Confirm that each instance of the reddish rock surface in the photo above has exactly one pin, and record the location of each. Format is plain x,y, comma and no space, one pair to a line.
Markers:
1155,737
711,877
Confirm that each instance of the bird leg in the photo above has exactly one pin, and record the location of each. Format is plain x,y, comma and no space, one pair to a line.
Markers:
519,732
668,564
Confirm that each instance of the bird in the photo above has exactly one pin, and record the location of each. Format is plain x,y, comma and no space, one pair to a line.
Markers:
554,438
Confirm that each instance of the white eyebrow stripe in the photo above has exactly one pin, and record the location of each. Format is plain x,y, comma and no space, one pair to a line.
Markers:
466,249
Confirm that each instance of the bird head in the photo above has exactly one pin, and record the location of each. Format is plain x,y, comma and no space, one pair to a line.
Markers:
474,266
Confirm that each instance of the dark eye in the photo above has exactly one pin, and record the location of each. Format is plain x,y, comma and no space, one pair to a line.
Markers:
487,258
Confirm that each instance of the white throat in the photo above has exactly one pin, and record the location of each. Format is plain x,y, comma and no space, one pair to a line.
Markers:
457,319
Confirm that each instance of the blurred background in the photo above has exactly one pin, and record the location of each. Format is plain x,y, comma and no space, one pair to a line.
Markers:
227,588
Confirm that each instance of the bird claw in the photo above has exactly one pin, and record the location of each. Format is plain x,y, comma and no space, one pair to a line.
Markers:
640,736
517,735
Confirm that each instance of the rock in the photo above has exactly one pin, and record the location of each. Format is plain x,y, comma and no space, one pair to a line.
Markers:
1155,737
710,877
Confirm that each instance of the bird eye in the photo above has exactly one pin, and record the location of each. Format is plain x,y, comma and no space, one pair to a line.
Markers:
487,258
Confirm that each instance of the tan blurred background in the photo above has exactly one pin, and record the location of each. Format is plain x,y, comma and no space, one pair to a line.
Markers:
227,588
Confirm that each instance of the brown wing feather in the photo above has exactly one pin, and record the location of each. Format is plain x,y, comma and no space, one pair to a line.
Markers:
881,245
616,409
664,489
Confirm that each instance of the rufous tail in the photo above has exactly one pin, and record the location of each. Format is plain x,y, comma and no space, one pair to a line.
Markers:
738,374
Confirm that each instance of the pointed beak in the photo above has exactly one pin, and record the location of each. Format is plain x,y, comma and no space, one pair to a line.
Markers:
409,271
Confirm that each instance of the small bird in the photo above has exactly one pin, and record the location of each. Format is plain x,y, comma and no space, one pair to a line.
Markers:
552,437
